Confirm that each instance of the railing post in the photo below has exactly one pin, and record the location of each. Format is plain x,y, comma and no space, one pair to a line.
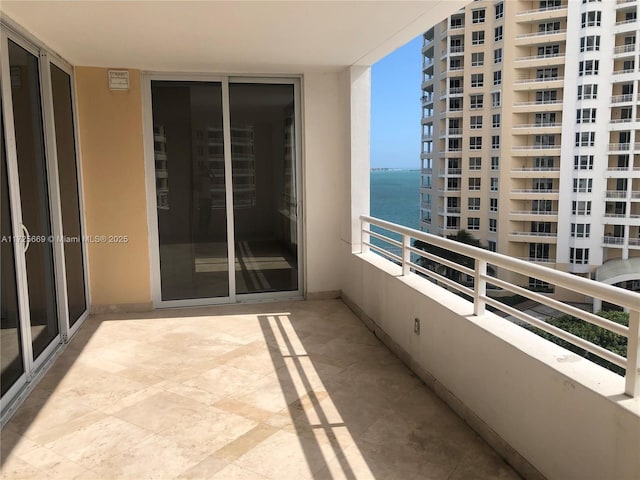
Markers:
632,374
479,287
364,237
406,254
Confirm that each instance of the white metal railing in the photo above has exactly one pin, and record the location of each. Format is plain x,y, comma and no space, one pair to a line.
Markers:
609,240
534,212
618,147
539,191
542,9
622,72
536,169
616,193
624,48
523,81
626,21
538,102
535,234
541,34
621,120
478,292
538,125
455,91
536,147
559,56
538,260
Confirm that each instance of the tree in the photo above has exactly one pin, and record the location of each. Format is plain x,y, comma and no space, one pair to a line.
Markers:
592,333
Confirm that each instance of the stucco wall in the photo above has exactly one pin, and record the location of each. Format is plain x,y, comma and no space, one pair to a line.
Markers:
563,414
110,128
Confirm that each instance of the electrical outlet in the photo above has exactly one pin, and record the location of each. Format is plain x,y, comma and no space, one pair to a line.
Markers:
416,326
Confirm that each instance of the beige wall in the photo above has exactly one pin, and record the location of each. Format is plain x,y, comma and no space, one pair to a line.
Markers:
111,146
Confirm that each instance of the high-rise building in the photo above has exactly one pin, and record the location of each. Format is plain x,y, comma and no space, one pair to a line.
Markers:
531,133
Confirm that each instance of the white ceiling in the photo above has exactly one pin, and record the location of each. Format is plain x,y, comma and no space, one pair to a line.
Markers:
230,36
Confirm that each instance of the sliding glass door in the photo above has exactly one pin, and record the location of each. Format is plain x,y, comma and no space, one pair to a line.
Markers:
43,292
225,177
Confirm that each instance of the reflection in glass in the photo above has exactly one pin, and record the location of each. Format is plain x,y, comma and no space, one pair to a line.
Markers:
10,350
264,187
190,189
69,195
32,173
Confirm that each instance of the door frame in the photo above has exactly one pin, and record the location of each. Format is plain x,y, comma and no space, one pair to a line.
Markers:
34,367
152,218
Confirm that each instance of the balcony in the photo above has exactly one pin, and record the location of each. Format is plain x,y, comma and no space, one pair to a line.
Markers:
621,49
272,391
627,98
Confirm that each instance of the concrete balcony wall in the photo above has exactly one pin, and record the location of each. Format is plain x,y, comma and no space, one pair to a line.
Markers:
546,410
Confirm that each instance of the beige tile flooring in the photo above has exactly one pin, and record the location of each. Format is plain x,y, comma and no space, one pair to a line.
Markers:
271,391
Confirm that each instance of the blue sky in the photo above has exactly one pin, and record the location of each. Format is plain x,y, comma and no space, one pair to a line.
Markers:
395,108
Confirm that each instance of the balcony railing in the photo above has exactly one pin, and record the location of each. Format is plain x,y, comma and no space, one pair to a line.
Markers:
541,57
538,102
622,98
535,234
539,191
534,212
619,147
536,169
409,257
624,48
538,125
538,80
626,21
622,72
613,240
536,147
616,194
542,9
541,34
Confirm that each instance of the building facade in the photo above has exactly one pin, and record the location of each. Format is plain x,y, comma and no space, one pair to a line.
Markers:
531,133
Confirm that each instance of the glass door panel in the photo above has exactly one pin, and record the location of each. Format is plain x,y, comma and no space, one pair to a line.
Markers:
190,189
34,196
264,187
10,335
69,194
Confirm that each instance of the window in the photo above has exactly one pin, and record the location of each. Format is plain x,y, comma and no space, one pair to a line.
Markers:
546,118
474,203
541,206
475,143
478,16
497,55
493,225
542,184
475,163
497,77
499,10
495,141
455,104
477,59
543,163
457,22
586,115
582,185
547,73
580,230
587,92
549,4
540,227
581,207
477,38
477,101
493,204
494,184
589,67
548,27
539,285
473,223
477,79
455,63
579,256
546,96
476,122
544,141
495,163
453,223
585,139
493,246
474,183
549,51
590,43
455,145
453,184
495,120
591,19
497,33
495,99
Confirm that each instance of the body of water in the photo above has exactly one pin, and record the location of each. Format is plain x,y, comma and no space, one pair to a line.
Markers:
395,196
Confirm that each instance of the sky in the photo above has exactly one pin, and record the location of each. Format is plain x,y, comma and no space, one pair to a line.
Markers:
395,108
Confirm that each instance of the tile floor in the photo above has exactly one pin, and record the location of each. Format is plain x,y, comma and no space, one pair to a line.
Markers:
298,390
